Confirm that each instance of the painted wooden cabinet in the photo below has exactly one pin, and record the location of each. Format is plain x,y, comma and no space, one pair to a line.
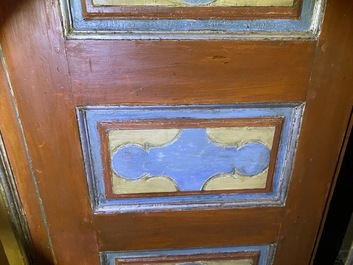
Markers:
175,131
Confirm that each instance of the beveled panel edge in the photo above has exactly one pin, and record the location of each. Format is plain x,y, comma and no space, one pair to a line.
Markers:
306,28
292,113
266,253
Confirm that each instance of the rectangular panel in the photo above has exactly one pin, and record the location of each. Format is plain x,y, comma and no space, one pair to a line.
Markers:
190,19
240,255
187,229
193,2
184,157
176,9
241,258
193,73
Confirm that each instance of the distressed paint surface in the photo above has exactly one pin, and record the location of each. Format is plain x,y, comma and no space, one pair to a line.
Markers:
238,136
235,181
143,185
188,28
90,117
219,262
193,2
230,136
266,253
146,138
190,160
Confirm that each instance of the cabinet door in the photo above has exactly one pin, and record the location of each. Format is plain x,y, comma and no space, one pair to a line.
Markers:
175,132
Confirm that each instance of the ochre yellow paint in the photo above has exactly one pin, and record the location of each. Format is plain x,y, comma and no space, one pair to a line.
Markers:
142,185
8,239
180,3
236,182
146,138
238,136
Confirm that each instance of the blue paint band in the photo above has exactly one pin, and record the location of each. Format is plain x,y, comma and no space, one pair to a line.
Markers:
89,117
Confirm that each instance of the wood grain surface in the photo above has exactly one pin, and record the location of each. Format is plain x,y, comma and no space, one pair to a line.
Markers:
189,72
51,76
329,104
188,229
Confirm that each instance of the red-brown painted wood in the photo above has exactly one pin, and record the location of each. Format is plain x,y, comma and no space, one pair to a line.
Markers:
185,229
52,76
12,138
189,72
329,104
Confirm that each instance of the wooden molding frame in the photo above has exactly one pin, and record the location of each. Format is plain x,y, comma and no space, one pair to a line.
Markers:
94,121
90,11
253,255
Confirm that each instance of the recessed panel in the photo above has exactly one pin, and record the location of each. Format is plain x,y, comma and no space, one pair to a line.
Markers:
192,19
188,156
240,255
180,156
193,2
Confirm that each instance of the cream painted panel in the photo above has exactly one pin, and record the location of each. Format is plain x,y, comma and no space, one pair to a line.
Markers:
236,182
238,136
146,138
143,185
